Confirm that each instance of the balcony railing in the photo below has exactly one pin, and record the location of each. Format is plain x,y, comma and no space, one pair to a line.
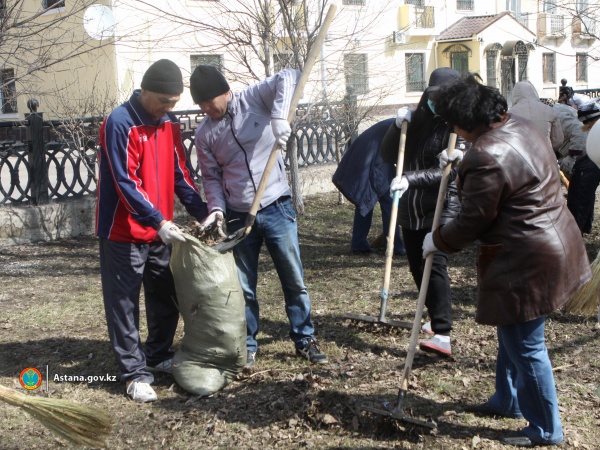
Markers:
551,25
424,17
465,4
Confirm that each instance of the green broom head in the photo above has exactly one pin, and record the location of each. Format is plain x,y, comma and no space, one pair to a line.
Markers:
77,423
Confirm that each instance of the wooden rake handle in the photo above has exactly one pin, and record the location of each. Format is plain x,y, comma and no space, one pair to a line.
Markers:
414,336
310,62
389,252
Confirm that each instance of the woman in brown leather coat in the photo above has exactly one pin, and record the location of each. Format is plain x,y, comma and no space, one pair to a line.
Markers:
531,255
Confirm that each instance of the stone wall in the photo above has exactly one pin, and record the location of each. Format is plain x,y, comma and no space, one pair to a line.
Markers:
26,224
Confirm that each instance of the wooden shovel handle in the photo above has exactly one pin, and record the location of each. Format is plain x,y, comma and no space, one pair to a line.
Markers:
310,62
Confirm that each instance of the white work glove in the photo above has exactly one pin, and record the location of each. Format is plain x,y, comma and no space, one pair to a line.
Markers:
402,115
399,184
214,219
281,130
170,233
428,245
455,155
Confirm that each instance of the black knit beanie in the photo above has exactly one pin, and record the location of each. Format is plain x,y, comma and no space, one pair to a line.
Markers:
163,77
207,83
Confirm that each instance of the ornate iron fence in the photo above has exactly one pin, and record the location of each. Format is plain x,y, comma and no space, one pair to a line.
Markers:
42,161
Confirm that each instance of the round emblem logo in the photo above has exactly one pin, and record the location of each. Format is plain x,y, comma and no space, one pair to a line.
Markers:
30,378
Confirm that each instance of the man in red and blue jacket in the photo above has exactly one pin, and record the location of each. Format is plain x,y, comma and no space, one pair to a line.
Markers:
142,165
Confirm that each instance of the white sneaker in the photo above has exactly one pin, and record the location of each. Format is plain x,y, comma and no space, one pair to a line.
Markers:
426,328
437,344
141,392
165,366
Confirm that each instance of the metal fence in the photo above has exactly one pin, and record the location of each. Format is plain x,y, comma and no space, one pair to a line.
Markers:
43,161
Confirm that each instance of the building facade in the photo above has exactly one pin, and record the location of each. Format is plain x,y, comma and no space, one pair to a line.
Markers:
381,51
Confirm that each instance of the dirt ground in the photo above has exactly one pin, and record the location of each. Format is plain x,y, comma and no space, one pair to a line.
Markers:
52,317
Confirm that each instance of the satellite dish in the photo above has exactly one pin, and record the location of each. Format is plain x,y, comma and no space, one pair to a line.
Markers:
99,22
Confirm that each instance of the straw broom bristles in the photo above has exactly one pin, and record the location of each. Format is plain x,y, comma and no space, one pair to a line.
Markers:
585,301
79,424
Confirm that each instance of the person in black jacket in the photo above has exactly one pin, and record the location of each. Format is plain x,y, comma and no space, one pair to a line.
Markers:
364,178
426,138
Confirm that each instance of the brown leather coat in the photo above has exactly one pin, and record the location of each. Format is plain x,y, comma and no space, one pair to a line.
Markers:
531,255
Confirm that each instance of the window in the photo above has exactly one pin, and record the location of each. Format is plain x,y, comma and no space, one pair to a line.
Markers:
521,52
491,58
513,5
206,60
581,6
415,72
548,68
53,4
356,70
464,4
8,91
353,2
459,61
550,6
581,67
458,54
282,61
415,2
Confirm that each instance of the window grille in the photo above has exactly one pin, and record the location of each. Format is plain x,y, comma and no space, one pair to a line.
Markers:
8,91
206,60
581,67
356,70
465,4
415,72
548,68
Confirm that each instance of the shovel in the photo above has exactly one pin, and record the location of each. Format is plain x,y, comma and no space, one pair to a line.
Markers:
389,252
397,411
233,239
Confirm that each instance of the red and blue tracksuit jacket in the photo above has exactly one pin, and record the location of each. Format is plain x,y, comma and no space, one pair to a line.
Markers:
142,166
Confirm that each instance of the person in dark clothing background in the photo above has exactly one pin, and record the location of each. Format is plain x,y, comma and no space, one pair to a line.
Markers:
426,138
364,178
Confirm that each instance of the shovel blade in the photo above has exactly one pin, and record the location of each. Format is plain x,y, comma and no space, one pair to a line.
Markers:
230,241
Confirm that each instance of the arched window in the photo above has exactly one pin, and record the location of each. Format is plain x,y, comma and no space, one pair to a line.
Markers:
521,53
491,58
459,57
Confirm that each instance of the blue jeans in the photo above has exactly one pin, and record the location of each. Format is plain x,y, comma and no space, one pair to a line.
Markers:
276,226
362,225
524,381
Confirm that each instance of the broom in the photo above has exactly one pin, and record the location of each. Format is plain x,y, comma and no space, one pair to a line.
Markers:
585,301
79,424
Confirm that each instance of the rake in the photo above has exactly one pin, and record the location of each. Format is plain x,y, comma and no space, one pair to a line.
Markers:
389,252
397,411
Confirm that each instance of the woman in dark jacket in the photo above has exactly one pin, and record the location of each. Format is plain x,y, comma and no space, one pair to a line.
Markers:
426,138
364,179
531,256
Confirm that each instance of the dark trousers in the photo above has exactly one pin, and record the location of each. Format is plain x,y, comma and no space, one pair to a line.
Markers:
581,196
362,225
439,297
124,268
